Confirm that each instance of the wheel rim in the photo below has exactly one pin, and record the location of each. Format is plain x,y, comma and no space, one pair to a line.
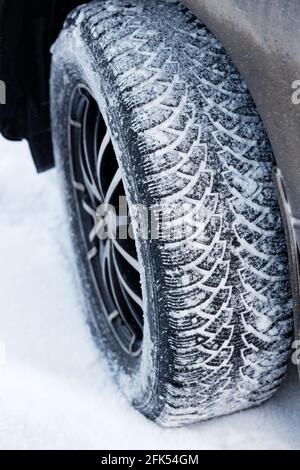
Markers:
98,190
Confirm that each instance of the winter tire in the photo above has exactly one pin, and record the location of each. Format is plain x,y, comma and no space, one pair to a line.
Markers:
146,103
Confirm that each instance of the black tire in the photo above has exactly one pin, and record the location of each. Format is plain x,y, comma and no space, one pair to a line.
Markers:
218,317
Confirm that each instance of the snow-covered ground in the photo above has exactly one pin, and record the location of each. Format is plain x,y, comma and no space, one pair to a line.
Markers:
55,392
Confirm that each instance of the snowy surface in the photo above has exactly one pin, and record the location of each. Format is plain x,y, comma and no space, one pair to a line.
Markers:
55,392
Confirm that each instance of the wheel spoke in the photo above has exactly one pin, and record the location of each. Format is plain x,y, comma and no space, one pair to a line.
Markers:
104,261
124,284
92,190
79,186
74,123
116,297
130,259
92,253
86,164
97,130
94,232
113,315
103,147
89,210
113,186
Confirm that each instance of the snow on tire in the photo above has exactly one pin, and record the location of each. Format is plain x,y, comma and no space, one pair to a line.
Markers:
218,318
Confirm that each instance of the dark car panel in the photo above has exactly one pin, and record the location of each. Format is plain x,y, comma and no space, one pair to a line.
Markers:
27,30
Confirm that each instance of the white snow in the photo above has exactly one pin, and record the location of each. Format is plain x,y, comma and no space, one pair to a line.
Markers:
55,391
